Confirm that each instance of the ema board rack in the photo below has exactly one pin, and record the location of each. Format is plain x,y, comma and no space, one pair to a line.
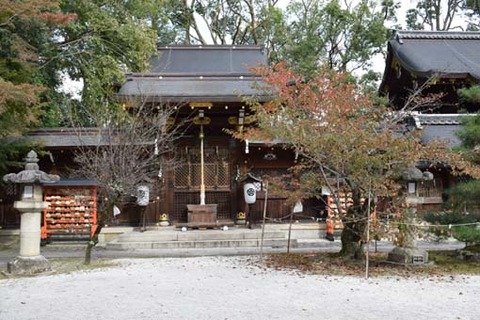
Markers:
72,210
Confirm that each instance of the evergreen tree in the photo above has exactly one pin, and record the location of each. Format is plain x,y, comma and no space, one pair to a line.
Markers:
26,81
440,15
106,40
341,36
463,214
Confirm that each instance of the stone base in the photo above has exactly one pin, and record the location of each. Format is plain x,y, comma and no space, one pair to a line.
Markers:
240,222
28,265
164,223
410,256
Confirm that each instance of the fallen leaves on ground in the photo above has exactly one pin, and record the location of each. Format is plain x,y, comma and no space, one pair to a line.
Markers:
441,264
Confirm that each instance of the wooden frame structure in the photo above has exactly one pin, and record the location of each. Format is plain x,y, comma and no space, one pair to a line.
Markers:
72,211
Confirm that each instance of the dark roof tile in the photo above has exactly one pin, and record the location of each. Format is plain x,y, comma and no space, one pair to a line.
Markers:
434,53
188,89
214,73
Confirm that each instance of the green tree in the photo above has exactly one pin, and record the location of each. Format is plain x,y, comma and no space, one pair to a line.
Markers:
346,142
444,15
470,95
107,39
309,34
237,22
221,21
26,46
466,195
464,198
341,36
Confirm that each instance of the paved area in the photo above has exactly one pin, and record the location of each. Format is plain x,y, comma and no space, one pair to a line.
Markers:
72,250
210,283
234,288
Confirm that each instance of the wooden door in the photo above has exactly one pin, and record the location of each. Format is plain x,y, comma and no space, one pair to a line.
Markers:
217,179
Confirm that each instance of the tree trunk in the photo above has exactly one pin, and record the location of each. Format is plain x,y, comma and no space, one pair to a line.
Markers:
352,246
354,228
102,218
91,243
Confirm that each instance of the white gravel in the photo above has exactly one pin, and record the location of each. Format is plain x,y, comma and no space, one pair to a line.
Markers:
232,288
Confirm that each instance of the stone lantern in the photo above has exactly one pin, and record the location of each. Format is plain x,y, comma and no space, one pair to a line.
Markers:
409,253
30,205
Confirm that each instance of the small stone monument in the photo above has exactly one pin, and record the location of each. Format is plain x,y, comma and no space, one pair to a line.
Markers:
30,261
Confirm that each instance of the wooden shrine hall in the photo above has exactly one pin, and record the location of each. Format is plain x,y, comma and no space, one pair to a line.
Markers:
210,82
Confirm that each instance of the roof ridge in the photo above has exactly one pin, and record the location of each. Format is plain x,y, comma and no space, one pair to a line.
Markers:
421,34
215,74
260,47
440,118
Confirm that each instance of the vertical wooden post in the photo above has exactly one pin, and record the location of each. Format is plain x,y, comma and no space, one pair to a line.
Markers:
368,229
264,218
290,231
202,177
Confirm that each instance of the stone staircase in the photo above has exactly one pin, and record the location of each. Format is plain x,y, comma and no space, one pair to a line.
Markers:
116,241
127,242
200,239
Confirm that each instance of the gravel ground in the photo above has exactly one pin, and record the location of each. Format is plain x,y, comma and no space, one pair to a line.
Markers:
232,288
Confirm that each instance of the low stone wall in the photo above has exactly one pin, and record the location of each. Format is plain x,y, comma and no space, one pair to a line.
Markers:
469,256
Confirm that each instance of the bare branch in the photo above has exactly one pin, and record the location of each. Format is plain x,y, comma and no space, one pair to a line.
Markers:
127,149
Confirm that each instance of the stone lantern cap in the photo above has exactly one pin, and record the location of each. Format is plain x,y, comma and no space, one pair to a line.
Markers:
32,173
415,174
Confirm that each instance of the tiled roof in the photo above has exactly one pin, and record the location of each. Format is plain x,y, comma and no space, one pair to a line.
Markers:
68,137
198,73
441,127
445,133
440,119
450,35
73,183
425,54
454,54
180,89
207,60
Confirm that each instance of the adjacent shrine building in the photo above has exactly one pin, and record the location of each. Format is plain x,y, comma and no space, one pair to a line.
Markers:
433,65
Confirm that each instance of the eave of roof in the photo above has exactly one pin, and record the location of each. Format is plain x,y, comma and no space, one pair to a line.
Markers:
70,137
440,127
199,73
435,53
73,183
441,118
200,88
65,137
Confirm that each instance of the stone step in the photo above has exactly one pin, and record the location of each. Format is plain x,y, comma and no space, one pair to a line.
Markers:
317,243
69,237
66,245
196,244
198,235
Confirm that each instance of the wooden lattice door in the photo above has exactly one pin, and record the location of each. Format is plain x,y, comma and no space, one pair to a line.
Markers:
217,180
